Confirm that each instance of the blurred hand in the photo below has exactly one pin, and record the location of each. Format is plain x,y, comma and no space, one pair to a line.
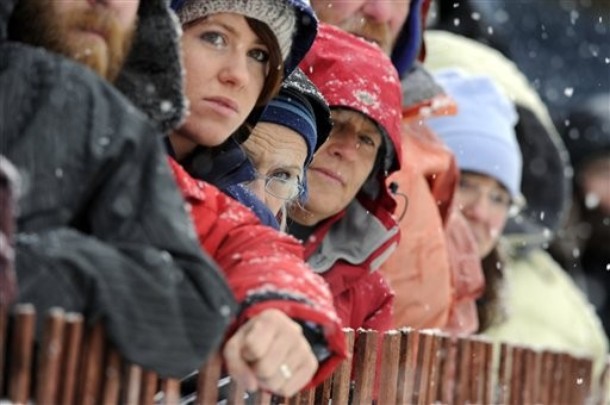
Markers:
270,352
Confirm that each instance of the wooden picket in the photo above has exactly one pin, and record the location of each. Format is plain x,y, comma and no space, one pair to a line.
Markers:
74,365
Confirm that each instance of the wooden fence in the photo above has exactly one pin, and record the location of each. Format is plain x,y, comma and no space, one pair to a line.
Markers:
77,366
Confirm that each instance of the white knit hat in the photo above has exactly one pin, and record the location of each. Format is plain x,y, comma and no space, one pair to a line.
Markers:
482,134
279,15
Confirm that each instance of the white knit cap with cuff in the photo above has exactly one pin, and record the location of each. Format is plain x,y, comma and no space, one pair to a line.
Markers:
279,15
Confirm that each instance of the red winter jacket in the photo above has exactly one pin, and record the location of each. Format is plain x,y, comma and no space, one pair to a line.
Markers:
348,248
346,252
265,269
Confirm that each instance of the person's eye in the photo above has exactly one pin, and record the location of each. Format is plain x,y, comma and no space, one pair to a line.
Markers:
214,38
259,55
366,140
282,175
467,185
500,198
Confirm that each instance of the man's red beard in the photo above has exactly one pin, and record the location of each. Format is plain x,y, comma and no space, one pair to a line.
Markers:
74,34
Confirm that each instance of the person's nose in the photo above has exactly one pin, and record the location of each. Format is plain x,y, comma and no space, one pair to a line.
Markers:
379,11
478,209
235,70
344,147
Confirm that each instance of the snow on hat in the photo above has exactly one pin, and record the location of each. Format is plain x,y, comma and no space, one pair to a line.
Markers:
278,15
353,73
482,134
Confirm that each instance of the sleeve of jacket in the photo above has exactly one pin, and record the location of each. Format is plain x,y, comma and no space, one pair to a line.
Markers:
102,226
265,268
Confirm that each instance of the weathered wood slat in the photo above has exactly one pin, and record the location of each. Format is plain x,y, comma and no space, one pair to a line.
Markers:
78,366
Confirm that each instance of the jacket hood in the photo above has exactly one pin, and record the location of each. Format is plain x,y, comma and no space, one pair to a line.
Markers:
545,159
152,77
409,39
355,74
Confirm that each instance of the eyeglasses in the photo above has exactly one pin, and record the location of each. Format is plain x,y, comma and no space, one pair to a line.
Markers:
500,201
279,186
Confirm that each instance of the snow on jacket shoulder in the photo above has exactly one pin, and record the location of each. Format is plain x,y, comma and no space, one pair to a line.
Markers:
101,225
265,268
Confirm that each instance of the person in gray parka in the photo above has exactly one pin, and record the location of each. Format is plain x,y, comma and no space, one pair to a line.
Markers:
102,228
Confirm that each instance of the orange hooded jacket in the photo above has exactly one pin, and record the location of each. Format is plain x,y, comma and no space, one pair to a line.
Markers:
435,272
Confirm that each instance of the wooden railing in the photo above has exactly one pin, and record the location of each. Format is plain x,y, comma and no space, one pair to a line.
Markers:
72,365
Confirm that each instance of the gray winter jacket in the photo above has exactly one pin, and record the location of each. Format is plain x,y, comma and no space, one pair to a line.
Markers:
102,229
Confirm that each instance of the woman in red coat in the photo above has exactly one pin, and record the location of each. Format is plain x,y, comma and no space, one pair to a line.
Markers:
234,52
347,224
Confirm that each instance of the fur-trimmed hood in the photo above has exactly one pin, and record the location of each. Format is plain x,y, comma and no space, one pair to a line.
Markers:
546,162
152,77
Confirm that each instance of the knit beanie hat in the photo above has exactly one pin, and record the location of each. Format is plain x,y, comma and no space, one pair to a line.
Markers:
300,107
278,15
482,134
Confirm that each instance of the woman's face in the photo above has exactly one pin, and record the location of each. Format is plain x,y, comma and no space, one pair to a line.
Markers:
485,204
226,65
340,167
278,154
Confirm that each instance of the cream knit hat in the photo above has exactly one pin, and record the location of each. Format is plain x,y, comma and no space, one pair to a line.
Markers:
279,15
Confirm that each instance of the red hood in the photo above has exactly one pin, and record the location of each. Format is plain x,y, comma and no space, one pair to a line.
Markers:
353,73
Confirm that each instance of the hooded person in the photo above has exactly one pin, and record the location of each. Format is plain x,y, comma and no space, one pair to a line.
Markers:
292,127
347,224
435,271
582,243
80,244
540,303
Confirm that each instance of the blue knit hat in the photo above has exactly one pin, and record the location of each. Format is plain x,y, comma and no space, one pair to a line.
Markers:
300,107
482,134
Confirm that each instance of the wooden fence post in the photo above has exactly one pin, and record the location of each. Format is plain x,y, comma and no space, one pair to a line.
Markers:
390,354
406,366
22,348
73,338
342,376
365,357
50,357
